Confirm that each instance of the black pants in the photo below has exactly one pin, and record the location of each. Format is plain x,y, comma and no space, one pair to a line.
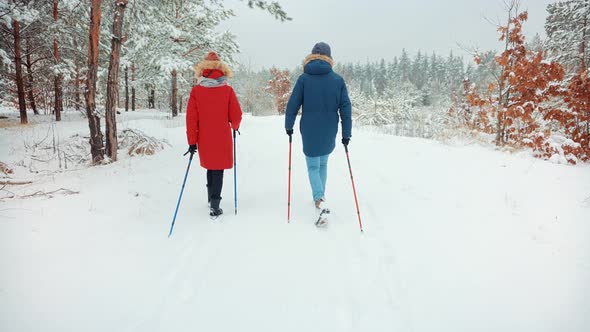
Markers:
214,185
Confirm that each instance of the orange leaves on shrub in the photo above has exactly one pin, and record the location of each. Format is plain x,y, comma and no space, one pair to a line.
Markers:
280,87
528,106
525,82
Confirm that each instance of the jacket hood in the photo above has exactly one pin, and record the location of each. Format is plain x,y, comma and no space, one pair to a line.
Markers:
212,65
317,64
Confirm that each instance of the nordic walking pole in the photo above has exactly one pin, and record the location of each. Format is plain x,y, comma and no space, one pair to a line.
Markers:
235,177
289,192
353,188
181,191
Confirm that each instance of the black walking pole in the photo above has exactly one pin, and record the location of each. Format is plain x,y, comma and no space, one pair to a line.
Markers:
181,191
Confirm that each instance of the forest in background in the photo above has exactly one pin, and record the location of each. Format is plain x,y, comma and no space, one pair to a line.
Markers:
128,54
530,94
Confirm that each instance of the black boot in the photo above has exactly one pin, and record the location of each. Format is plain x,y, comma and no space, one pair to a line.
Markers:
215,211
214,186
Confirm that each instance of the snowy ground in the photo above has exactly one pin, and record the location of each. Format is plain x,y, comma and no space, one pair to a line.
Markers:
457,238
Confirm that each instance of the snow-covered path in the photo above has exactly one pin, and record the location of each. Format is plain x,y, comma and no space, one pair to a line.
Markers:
457,238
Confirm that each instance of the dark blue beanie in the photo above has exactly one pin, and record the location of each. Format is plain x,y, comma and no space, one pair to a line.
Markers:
323,49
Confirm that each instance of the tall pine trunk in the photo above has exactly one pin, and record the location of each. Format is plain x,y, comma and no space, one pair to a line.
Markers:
77,88
500,124
58,104
585,39
30,86
96,146
133,86
174,99
126,88
152,99
113,80
19,73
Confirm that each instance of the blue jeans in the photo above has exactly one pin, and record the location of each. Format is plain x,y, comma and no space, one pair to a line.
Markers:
317,169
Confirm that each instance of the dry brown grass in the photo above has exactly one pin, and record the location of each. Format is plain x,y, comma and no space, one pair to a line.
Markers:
9,123
139,144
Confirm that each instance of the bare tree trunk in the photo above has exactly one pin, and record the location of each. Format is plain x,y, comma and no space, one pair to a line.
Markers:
96,146
179,104
44,98
500,125
19,73
133,86
77,88
113,80
30,88
58,105
126,88
584,41
152,99
174,99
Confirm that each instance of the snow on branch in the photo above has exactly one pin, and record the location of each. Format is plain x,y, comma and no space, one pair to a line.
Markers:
40,193
138,143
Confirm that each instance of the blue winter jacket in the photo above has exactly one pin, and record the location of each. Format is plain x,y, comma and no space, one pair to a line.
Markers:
324,96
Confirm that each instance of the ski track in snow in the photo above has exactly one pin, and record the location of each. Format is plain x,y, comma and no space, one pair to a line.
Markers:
455,239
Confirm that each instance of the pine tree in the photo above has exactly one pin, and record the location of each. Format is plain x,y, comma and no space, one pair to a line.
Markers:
113,80
16,26
568,33
404,66
58,103
17,17
392,70
380,79
96,143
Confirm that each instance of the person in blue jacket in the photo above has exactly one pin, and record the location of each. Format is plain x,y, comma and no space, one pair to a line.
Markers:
324,98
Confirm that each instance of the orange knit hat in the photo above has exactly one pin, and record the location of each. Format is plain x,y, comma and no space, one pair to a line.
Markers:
212,56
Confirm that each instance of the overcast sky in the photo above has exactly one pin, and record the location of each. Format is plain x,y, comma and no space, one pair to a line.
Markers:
358,30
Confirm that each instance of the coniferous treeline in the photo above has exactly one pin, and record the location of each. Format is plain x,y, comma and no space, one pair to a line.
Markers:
533,94
530,93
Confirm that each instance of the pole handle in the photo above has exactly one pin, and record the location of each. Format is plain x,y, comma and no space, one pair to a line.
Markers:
187,152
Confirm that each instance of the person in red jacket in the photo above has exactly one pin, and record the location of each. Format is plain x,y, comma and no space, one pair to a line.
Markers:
212,112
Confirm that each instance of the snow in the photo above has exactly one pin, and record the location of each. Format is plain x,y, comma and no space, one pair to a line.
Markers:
4,58
457,238
169,63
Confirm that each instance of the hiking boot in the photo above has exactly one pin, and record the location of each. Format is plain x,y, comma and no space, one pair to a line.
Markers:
320,203
215,211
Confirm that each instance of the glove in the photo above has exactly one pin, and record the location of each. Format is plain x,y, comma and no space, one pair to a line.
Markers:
345,141
192,149
289,132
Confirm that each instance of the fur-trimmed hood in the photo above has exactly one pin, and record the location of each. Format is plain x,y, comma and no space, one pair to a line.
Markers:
312,57
212,64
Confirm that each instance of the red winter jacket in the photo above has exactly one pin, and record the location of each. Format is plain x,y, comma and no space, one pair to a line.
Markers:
211,113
